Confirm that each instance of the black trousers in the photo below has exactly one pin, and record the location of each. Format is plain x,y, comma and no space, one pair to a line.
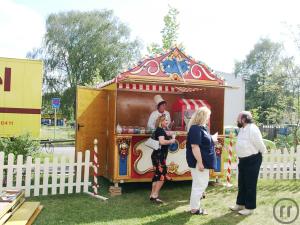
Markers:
247,180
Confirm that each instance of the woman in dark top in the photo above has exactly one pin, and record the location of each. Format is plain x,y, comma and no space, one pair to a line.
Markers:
159,158
200,156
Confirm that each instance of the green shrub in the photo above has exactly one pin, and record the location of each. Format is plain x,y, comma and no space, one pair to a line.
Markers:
288,141
21,145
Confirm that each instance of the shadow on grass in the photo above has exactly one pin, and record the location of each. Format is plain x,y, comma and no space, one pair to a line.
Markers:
231,218
179,218
275,186
183,217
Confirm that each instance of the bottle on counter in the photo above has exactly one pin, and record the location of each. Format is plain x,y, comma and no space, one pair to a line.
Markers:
119,129
143,131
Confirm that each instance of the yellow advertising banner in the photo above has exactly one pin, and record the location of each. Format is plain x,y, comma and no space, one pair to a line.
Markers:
20,97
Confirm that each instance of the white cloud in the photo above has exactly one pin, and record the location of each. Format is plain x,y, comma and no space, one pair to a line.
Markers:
21,29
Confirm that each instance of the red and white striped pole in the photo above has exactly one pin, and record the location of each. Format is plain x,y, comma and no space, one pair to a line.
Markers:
95,166
228,178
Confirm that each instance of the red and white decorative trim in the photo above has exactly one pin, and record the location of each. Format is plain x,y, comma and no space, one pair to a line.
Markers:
147,87
155,88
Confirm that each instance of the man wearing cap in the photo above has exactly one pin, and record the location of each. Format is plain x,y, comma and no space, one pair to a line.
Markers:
161,109
249,149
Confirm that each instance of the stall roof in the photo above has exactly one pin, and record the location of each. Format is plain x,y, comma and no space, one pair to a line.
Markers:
173,67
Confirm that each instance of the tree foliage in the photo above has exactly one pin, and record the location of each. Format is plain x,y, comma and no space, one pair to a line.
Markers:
20,145
81,47
293,72
169,33
273,86
266,90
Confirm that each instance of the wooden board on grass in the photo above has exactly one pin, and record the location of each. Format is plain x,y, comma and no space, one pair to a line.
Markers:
8,206
23,214
34,216
10,213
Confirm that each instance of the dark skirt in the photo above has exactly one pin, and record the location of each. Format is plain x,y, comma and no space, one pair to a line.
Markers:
159,165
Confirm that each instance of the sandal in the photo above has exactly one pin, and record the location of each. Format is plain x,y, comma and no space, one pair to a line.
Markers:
200,212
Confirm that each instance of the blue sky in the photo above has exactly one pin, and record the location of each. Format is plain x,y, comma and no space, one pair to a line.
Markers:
216,32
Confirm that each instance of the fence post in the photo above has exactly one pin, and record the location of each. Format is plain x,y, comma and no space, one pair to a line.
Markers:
46,177
19,171
86,171
298,163
62,175
292,160
10,174
263,165
37,177
28,176
278,164
78,175
285,162
54,176
71,175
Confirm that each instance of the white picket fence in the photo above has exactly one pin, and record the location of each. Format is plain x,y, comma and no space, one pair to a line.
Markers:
281,164
38,178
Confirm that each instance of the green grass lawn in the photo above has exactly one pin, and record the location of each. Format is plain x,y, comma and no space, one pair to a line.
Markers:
133,207
47,132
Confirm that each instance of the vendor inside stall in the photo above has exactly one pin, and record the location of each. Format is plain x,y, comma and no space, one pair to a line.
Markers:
161,110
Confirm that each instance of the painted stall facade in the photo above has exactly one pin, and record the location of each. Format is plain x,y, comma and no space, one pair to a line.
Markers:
116,113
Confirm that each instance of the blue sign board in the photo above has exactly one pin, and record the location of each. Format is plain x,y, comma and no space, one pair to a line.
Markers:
55,103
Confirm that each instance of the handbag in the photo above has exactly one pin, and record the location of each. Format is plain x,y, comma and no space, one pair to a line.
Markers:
152,143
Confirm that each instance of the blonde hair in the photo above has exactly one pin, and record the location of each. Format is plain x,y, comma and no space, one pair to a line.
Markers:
159,121
199,117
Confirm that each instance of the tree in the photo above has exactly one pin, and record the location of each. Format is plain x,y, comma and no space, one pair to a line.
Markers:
265,89
81,47
294,75
169,33
293,108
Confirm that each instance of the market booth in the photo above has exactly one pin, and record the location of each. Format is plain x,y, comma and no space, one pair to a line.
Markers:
116,113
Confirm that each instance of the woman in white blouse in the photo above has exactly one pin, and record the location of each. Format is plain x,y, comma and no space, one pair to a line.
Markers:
249,149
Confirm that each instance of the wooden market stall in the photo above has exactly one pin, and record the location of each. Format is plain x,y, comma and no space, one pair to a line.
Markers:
116,113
